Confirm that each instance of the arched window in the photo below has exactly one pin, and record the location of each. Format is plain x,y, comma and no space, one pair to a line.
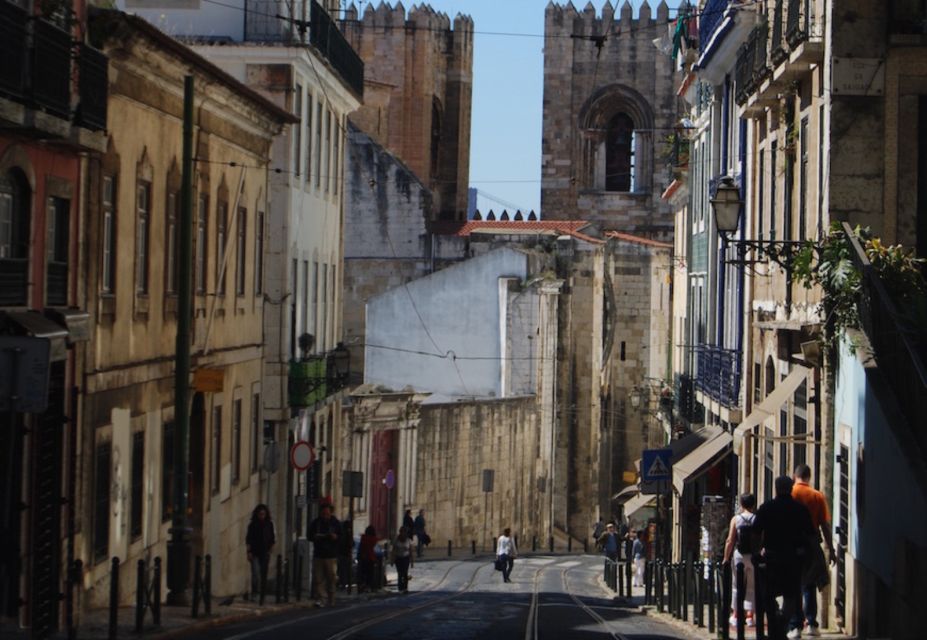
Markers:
619,153
14,238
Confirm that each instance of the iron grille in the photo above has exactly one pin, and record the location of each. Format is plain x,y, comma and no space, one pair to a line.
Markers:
708,21
13,31
94,81
777,46
325,36
51,68
719,374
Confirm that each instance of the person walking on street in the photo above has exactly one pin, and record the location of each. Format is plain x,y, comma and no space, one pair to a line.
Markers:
259,543
742,543
408,522
609,542
324,532
639,554
402,558
816,575
422,539
506,552
785,526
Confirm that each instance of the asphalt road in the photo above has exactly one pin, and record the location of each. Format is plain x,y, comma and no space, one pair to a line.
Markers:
549,598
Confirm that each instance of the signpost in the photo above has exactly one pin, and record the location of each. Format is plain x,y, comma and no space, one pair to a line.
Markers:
656,475
390,482
488,480
352,486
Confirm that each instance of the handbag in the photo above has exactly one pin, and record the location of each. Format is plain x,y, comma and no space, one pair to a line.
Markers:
499,563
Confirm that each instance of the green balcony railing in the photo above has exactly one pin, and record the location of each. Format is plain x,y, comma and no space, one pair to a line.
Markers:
308,381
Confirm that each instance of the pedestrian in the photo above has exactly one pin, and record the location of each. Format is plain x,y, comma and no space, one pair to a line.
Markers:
346,555
598,529
402,558
785,527
408,522
639,554
324,532
367,559
815,576
506,552
422,538
742,542
259,543
609,542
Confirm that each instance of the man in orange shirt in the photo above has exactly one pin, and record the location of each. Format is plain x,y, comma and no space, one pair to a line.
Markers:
816,504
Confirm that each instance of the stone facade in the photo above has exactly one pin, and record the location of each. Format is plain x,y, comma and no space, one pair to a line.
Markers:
596,67
418,81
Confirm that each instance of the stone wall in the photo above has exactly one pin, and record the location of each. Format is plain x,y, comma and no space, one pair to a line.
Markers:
418,78
584,85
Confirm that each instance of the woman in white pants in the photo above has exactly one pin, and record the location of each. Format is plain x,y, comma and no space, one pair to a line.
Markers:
742,543
639,554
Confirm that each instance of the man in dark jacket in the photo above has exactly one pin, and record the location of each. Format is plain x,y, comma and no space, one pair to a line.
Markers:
785,526
324,532
421,536
259,543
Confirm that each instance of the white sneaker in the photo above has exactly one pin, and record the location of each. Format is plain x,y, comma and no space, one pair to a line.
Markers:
813,631
793,634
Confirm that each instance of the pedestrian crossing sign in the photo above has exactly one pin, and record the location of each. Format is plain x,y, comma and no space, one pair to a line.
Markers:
656,464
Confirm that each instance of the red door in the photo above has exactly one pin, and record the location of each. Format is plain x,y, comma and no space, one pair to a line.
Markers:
381,460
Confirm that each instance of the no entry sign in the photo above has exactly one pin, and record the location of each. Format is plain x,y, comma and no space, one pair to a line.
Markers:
302,455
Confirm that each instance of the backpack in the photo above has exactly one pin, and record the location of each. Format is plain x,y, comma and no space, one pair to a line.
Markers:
748,536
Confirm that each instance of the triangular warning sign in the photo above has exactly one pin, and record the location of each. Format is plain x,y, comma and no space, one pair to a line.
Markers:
658,469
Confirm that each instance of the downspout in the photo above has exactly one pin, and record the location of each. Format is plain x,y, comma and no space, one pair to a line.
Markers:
725,136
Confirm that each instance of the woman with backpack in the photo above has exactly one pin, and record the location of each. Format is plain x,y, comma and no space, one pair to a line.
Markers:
742,543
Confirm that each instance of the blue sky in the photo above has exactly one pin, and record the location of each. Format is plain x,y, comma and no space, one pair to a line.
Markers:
505,143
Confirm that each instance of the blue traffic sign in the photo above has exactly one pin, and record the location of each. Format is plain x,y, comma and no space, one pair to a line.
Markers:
656,464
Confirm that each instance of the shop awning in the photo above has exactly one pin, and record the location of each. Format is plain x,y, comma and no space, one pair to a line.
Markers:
637,503
626,494
36,325
771,403
716,445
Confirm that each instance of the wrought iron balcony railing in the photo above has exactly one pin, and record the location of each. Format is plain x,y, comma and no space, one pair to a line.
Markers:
751,68
325,36
777,50
719,374
314,377
686,406
94,80
798,25
14,30
51,68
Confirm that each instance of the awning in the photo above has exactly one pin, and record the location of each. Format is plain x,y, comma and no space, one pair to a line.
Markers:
771,403
626,494
36,325
637,503
716,445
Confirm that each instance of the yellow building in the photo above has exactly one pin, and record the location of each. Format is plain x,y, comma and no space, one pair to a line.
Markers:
132,276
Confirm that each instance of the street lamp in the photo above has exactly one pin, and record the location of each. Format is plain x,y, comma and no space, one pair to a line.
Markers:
726,205
339,366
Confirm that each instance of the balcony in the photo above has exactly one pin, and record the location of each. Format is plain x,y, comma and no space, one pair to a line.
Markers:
686,406
51,65
92,93
752,68
313,378
719,374
325,36
777,51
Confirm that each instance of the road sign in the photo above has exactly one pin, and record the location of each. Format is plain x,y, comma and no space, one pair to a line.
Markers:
656,464
390,479
302,455
352,484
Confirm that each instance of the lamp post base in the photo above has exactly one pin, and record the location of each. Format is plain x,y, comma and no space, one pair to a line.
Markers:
178,567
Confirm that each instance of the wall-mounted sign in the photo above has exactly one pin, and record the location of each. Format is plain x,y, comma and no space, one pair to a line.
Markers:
302,455
208,380
858,76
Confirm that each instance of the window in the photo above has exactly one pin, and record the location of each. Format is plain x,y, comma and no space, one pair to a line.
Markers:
57,224
202,213
757,385
326,149
298,142
102,468
171,245
309,164
323,329
255,431
318,146
308,322
773,163
221,230
259,253
760,194
800,424
619,153
167,471
108,267
236,441
216,453
294,307
331,306
336,154
142,223
803,181
240,250
138,483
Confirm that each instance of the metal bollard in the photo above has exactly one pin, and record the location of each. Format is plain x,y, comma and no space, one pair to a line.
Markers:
448,548
648,582
77,570
761,588
197,586
569,544
113,598
659,585
741,613
286,580
619,579
516,542
473,547
298,578
711,597
140,593
628,570
155,598
551,544
699,615
207,585
725,601
278,595
671,583
686,574
585,545
534,543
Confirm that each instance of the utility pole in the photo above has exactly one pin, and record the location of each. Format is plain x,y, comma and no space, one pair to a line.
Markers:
178,547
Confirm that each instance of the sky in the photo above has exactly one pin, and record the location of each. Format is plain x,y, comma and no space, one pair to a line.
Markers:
505,141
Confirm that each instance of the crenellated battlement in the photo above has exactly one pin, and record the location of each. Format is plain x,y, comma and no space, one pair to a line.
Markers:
621,20
422,15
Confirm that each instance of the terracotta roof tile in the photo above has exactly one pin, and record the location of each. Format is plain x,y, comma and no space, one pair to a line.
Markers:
627,237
